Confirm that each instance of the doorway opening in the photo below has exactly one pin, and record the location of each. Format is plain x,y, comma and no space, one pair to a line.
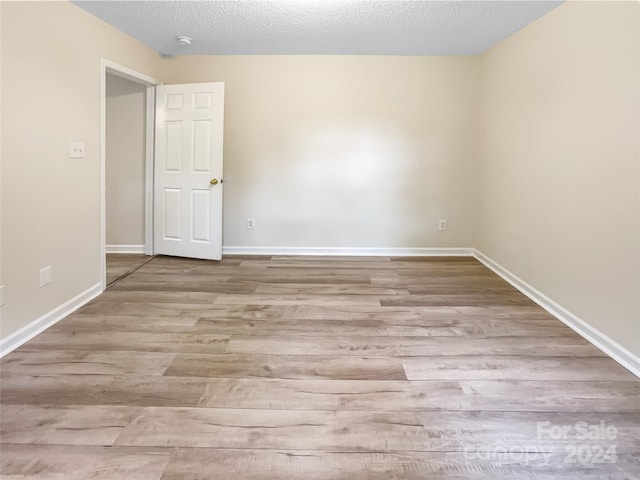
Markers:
125,166
127,100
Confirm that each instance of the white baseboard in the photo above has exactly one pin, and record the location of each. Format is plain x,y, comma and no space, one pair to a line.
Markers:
29,331
616,351
348,251
125,248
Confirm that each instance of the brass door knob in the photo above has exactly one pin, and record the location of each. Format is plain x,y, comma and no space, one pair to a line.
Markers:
213,181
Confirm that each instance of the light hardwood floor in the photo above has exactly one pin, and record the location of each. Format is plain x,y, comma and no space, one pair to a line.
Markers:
315,368
119,265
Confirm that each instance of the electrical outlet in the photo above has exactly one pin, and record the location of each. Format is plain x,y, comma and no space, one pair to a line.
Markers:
76,150
251,223
45,276
442,225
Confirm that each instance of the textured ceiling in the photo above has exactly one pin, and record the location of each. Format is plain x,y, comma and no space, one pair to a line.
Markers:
338,27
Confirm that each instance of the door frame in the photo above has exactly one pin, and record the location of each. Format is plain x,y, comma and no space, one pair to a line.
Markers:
108,66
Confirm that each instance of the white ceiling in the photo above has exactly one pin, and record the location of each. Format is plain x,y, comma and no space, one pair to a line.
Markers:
332,27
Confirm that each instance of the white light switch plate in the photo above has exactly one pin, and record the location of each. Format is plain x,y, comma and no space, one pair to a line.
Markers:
1,295
76,150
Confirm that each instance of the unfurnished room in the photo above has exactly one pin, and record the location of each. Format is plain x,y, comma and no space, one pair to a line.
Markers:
320,240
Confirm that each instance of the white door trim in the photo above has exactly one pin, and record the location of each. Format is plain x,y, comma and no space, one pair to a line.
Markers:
150,82
149,162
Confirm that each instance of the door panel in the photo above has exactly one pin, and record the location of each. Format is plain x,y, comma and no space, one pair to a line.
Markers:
172,214
174,147
202,133
200,231
187,207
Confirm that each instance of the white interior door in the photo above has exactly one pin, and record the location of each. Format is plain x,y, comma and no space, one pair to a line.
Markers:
188,170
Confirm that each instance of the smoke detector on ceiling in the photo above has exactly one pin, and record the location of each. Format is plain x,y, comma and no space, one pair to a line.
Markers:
184,40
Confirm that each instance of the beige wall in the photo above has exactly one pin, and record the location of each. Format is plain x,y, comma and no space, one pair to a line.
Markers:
125,161
342,151
51,204
561,165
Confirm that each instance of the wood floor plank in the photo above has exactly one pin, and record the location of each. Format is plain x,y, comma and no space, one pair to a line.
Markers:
411,346
279,394
218,270
266,299
453,299
77,362
150,308
320,259
550,396
138,390
335,263
471,395
367,328
446,259
385,277
587,369
149,278
126,323
361,431
126,295
302,276
327,289
283,366
248,464
418,275
325,312
397,314
317,430
64,425
459,288
72,462
131,341
428,281
54,389
504,322
492,311
286,394
190,286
